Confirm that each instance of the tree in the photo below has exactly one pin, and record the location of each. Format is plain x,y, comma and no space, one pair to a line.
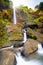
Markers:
4,4
5,1
41,6
24,8
37,6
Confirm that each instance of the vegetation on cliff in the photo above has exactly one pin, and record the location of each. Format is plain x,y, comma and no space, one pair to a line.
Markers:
3,33
32,18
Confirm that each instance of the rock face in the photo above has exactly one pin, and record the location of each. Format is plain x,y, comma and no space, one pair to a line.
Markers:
15,31
7,58
18,44
35,35
29,47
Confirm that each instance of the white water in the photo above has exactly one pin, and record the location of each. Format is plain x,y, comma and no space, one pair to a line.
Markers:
10,47
24,36
34,61
21,61
40,49
14,15
14,12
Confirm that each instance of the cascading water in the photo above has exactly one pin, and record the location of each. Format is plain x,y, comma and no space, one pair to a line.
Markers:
22,61
40,49
36,58
14,15
5,48
24,35
14,12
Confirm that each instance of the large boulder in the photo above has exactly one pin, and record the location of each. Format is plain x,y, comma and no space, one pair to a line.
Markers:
7,58
30,46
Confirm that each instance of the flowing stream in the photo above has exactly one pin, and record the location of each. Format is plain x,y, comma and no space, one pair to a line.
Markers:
5,48
24,36
34,59
40,49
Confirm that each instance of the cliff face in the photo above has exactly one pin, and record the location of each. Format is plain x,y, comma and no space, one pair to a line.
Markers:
15,31
34,22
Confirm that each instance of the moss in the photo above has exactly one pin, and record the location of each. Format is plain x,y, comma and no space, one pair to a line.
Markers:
5,21
40,19
36,20
16,35
3,33
31,36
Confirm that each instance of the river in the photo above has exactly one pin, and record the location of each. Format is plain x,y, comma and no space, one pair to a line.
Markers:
33,59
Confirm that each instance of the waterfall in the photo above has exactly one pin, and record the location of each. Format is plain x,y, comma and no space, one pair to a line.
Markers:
34,58
14,12
40,49
7,47
24,35
14,15
22,61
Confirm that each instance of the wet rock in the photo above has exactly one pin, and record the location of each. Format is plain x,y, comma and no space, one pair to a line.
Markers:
30,46
42,45
8,58
18,44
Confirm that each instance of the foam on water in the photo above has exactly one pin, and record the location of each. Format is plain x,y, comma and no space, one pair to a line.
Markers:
35,61
40,49
10,47
21,61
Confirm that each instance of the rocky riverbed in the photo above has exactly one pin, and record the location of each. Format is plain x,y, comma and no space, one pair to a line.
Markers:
13,56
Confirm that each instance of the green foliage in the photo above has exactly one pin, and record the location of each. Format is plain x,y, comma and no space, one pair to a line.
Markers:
23,13
36,20
4,4
3,33
24,8
31,36
36,6
4,1
40,19
41,6
4,21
